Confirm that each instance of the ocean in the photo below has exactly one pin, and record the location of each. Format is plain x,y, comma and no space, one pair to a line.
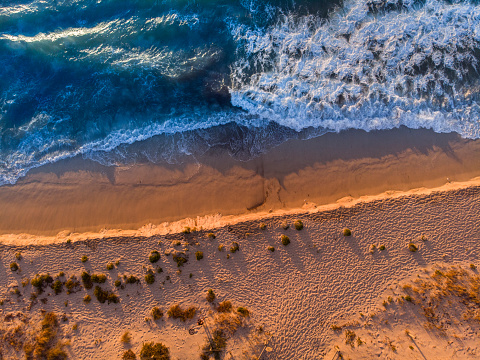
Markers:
123,82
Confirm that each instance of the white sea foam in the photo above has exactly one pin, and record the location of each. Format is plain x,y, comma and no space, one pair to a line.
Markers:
415,67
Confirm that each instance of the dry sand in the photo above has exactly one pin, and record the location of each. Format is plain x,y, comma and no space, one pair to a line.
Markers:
297,292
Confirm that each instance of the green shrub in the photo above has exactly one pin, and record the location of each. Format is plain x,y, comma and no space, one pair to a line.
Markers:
87,298
412,247
180,259
271,248
243,311
154,256
72,285
199,255
129,355
176,312
105,295
154,351
210,296
99,278
84,258
150,278
87,280
211,236
262,226
347,232
298,225
157,313
381,247
41,281
57,287
235,247
110,266
14,266
117,283
285,240
131,279
224,306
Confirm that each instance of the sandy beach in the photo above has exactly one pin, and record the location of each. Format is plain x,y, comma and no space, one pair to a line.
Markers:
304,298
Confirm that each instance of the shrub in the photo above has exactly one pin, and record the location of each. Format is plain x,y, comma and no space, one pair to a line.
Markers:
224,306
87,298
187,230
285,240
41,281
72,285
180,259
117,283
157,313
347,232
263,226
381,247
221,247
210,295
199,255
126,338
129,355
271,248
99,278
150,278
176,312
285,225
18,256
14,266
159,270
131,279
57,286
298,225
110,266
243,311
84,258
156,351
408,298
154,256
211,236
472,266
235,247
412,247
105,295
87,280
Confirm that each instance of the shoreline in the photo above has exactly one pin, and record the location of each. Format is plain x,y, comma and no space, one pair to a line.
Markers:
81,199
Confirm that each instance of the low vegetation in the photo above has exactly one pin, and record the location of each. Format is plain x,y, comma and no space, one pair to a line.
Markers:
129,355
271,248
285,240
176,312
110,266
180,259
210,296
157,313
105,295
347,232
225,306
211,236
14,266
126,338
234,248
84,258
156,351
298,225
262,226
154,256
150,277
412,247
199,255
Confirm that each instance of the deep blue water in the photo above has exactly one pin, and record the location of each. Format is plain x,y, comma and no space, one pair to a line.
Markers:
91,77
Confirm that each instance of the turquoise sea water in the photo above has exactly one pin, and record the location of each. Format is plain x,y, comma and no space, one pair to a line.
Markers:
97,78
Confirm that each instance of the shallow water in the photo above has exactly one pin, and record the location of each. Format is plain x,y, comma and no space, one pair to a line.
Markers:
91,77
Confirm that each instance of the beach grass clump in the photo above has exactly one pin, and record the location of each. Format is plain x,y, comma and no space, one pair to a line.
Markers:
176,312
412,247
117,283
214,349
243,311
45,345
199,255
262,226
18,256
285,225
87,280
87,298
298,225
72,285
105,295
126,337
187,230
57,287
157,351
40,282
350,337
381,247
285,240
225,306
129,355
150,278
110,266
180,259
14,266
84,258
99,278
154,256
210,296
157,313
221,247
211,236
234,248
347,232
472,266
271,248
